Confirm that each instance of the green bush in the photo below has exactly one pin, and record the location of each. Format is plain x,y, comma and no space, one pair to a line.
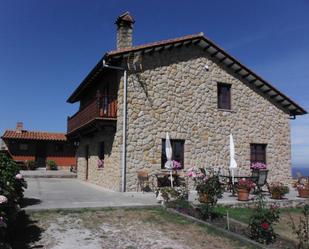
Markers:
12,186
31,165
51,165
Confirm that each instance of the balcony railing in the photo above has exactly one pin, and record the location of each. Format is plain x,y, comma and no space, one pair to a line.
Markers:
101,107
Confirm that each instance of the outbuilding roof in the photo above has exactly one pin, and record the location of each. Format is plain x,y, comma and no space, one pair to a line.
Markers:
218,54
33,135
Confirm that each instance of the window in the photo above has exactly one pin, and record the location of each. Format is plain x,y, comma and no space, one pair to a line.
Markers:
224,96
258,153
23,146
59,147
178,152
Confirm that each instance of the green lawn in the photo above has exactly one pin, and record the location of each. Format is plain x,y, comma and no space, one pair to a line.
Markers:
284,226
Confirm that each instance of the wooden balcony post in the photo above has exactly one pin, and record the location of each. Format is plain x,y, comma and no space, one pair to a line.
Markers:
99,100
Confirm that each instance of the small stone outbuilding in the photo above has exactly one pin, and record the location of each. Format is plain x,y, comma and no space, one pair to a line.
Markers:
188,87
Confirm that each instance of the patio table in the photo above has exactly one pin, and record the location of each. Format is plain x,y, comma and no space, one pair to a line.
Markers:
163,178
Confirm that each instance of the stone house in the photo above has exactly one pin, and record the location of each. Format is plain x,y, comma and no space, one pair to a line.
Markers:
188,87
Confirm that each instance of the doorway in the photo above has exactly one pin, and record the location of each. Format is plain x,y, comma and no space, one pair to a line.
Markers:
87,160
40,155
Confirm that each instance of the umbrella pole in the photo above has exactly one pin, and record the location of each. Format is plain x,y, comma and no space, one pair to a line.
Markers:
171,178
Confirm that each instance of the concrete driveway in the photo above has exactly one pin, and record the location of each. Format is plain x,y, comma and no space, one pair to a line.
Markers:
59,193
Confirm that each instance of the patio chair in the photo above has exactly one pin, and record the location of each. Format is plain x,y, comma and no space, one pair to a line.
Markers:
259,177
143,181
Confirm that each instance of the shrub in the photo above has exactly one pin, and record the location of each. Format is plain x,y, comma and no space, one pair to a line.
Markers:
31,165
12,186
210,186
262,220
208,211
174,193
302,230
278,188
51,165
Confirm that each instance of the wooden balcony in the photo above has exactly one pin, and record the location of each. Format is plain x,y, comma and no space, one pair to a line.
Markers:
100,108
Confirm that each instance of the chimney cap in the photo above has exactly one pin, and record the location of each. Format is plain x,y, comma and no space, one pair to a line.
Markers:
125,18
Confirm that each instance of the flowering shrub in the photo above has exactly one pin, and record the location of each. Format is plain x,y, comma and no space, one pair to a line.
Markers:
207,184
302,183
245,184
197,176
258,166
100,163
262,220
12,185
176,165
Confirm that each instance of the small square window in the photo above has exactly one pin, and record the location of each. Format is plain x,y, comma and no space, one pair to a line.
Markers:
59,147
23,146
258,153
224,96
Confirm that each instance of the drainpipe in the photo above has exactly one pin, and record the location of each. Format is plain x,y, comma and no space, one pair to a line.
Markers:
124,125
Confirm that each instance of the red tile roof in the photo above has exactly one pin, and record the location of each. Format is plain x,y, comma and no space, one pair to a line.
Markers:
34,135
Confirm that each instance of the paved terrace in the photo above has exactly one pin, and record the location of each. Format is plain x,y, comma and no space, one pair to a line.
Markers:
67,193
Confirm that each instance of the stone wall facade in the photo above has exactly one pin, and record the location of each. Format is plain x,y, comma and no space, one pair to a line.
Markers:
175,93
108,176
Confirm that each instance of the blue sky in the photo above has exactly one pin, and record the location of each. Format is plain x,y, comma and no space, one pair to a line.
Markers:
48,47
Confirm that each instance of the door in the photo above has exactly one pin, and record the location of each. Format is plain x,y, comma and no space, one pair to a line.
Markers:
40,154
87,160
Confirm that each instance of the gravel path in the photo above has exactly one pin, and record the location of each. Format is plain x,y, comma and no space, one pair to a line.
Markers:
123,229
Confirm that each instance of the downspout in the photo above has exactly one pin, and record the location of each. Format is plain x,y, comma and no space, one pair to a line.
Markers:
124,133
124,125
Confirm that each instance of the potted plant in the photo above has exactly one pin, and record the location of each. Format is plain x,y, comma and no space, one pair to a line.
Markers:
244,187
302,186
208,187
278,190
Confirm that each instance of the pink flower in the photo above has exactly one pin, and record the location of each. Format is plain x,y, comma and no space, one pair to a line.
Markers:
19,176
3,199
176,165
258,166
100,163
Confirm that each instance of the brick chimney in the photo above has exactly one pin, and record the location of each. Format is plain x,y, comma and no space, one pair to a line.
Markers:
19,127
124,24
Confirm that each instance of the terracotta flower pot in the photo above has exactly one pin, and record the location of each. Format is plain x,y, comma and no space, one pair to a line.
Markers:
303,192
204,198
243,194
276,195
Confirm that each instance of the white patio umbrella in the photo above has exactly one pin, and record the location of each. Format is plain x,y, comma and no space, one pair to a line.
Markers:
168,152
233,164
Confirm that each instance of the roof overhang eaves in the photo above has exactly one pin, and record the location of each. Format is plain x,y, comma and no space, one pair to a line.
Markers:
216,52
246,74
87,80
